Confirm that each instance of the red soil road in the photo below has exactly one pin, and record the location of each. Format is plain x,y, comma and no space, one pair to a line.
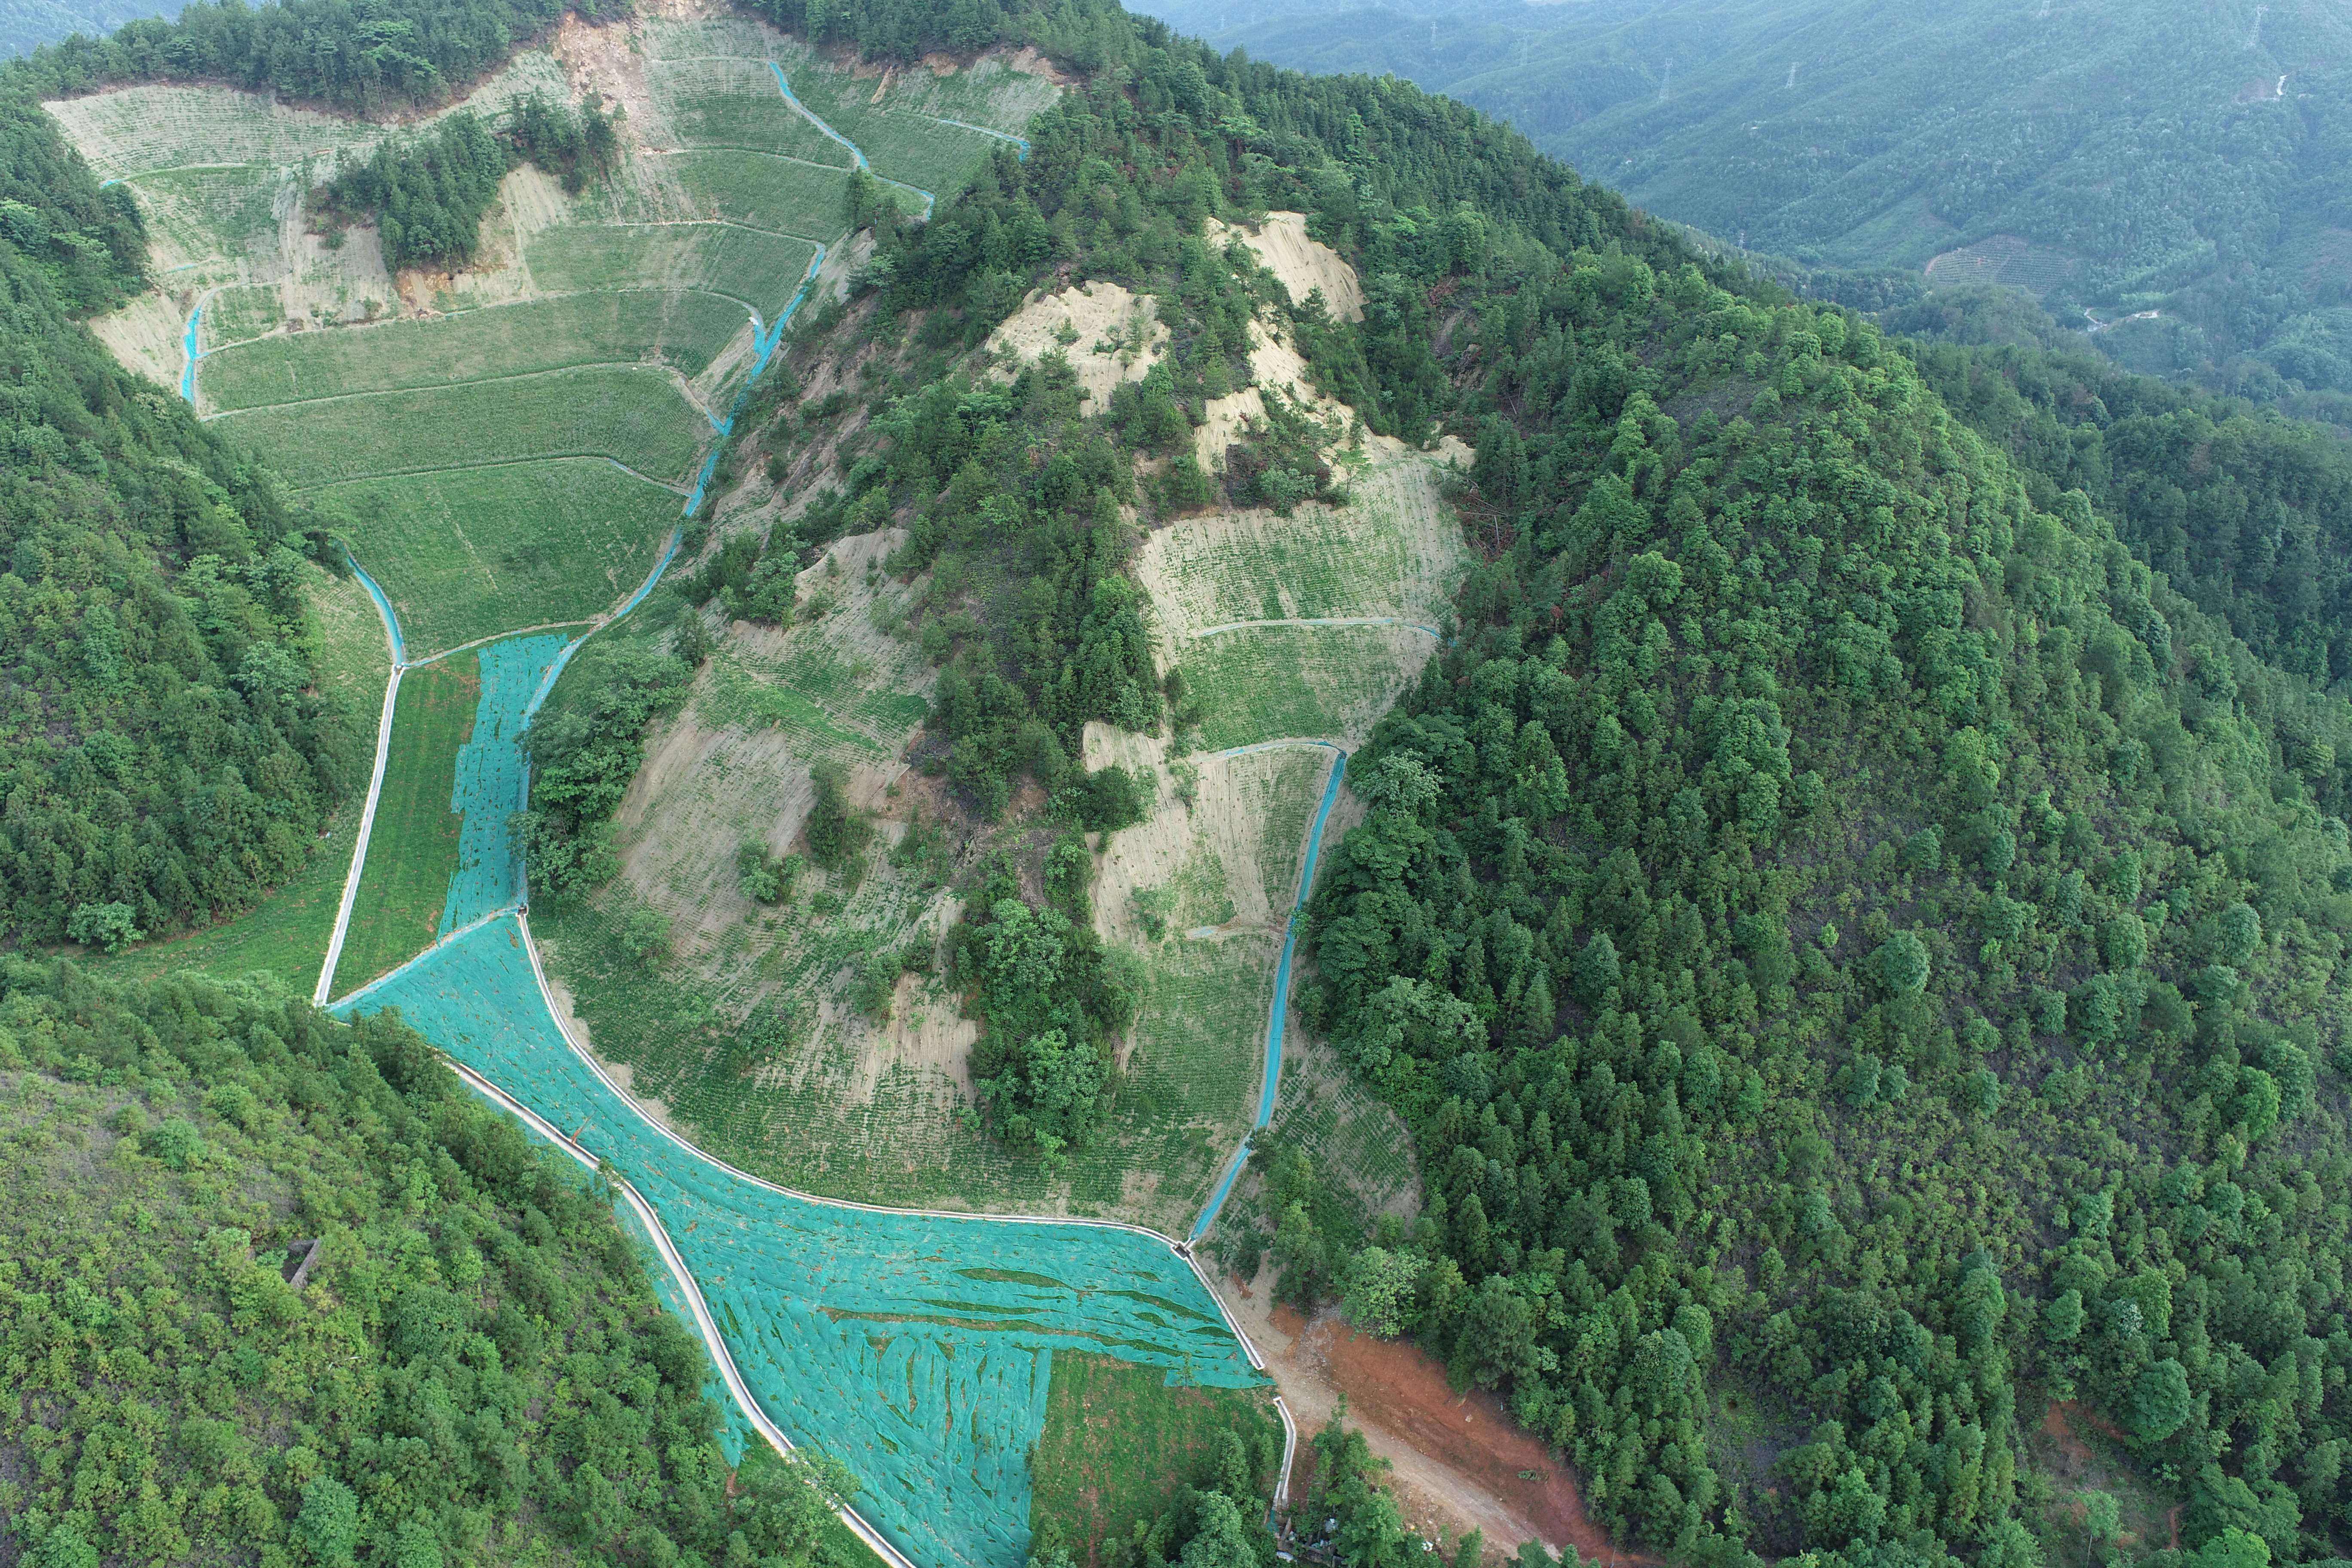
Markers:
1456,1457
1393,1386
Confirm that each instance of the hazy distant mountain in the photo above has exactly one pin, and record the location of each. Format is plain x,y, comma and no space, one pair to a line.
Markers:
2184,158
26,25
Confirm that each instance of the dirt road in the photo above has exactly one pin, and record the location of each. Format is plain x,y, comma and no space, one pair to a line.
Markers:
1460,1463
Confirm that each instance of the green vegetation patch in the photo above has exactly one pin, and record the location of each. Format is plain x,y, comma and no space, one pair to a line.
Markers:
287,933
240,312
684,330
763,270
470,552
735,103
1121,1440
1265,683
632,414
213,210
773,194
412,848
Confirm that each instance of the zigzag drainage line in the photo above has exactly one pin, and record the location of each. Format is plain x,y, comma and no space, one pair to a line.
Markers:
1273,1022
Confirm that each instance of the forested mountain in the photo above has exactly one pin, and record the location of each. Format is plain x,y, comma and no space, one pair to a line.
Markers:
1854,919
2173,158
471,1367
26,25
165,757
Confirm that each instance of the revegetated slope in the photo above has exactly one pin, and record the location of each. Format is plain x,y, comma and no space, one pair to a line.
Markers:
620,324
868,1107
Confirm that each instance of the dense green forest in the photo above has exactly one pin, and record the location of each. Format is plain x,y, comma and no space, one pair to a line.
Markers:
2168,158
166,758
426,193
1852,921
471,1367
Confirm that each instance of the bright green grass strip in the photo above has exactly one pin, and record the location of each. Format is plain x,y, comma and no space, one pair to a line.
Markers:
631,415
765,193
412,851
471,551
1120,1441
1267,683
685,330
761,269
287,932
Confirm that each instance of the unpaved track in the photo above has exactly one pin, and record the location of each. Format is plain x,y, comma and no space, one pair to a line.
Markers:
1458,1458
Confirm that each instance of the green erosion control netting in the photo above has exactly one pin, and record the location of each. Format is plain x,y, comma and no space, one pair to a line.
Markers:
491,779
918,1348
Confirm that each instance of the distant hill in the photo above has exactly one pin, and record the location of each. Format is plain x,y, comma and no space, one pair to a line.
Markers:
26,25
2116,157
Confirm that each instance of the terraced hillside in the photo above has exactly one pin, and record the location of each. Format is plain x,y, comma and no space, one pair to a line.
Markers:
1295,631
510,446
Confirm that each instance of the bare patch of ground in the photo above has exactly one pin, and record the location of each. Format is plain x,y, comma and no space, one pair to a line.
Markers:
1108,334
1304,264
1460,1462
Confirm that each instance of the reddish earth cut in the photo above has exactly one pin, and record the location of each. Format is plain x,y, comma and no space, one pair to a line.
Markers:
1460,1462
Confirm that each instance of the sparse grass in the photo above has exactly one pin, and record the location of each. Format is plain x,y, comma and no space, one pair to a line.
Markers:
685,330
763,270
1120,1441
893,1136
234,314
471,551
217,210
632,414
1266,683
735,103
287,932
765,193
413,850
989,93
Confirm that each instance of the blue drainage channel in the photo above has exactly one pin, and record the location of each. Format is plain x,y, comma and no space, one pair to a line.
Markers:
1281,996
384,608
188,344
854,150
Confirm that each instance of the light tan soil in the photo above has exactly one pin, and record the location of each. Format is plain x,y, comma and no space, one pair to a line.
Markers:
1304,264
1115,337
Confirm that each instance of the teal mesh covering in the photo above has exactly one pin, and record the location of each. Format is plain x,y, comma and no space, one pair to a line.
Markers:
917,1347
491,784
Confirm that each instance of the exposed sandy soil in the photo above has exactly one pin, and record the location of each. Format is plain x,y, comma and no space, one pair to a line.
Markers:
1458,1458
1105,316
1304,264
